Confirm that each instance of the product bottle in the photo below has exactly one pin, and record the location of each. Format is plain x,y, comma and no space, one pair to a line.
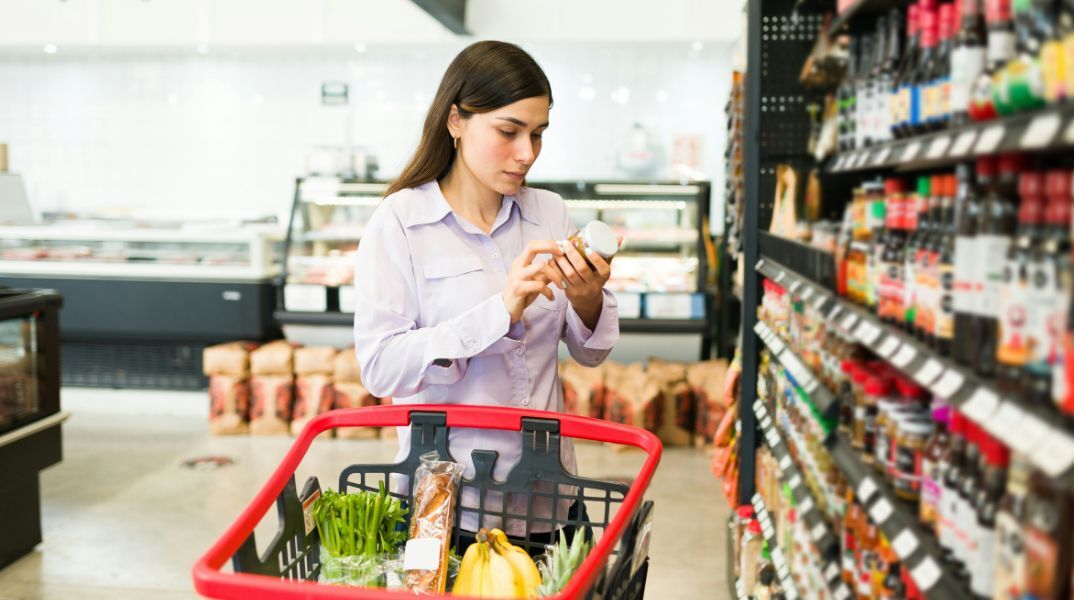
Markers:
996,228
967,59
1009,580
933,470
929,275
920,230
891,296
1049,544
967,264
939,87
1014,345
969,484
952,464
1001,40
1066,37
1054,20
903,109
1020,86
751,555
945,269
986,504
923,77
845,99
878,94
874,193
766,575
864,96
889,76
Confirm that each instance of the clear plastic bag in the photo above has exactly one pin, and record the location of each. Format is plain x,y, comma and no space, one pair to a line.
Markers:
363,571
436,490
395,574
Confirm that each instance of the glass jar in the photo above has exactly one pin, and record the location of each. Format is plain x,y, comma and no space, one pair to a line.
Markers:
912,438
596,237
877,388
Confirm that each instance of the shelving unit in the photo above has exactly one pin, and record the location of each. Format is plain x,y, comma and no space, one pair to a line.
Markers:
1048,130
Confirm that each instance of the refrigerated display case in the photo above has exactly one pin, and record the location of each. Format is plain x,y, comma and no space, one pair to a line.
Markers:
662,278
30,415
144,298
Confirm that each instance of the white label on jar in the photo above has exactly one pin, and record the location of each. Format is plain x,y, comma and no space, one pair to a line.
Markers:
1056,454
966,64
904,356
1041,131
905,544
881,511
889,347
964,141
866,489
981,405
990,139
949,384
926,574
928,373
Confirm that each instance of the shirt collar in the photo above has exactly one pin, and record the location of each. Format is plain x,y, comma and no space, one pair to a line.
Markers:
434,206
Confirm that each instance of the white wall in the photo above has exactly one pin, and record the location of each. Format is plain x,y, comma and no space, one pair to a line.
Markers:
227,132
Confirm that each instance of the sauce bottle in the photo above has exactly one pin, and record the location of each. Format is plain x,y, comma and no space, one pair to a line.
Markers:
1001,48
1048,539
967,59
944,328
953,462
933,470
969,272
918,231
891,283
986,505
1009,581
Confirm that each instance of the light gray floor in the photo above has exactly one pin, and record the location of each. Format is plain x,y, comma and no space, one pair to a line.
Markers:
123,518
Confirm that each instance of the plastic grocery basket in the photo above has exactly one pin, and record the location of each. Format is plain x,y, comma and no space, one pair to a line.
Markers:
289,565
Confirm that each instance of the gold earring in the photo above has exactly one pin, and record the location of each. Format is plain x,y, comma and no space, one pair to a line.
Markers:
455,142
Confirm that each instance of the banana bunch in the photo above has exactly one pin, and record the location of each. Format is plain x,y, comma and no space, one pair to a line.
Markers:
494,568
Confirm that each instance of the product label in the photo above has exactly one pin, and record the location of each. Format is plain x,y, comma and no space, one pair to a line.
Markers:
948,529
967,531
966,263
931,493
1009,557
1045,307
945,310
891,292
1068,65
981,106
967,63
909,296
1053,69
916,100
1024,84
1013,347
908,469
1000,46
927,292
1042,556
992,252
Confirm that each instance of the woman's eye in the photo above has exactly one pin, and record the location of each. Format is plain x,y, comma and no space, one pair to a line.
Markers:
507,134
537,136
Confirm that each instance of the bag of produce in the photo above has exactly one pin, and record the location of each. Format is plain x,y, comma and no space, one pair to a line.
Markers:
229,401
346,368
232,358
315,360
316,395
360,533
273,398
274,358
583,389
354,395
679,403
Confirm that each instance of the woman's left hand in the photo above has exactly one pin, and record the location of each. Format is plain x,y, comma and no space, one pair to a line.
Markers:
585,284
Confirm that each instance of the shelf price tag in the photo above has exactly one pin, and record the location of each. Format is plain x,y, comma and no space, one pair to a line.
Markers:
910,152
938,147
867,333
1055,455
1028,434
760,328
818,302
838,308
766,422
889,347
780,276
981,405
1068,135
866,489
841,593
1007,418
990,139
904,544
818,532
785,463
904,356
948,385
881,511
795,285
881,156
806,293
850,321
760,265
831,573
963,143
806,506
928,373
926,574
1041,131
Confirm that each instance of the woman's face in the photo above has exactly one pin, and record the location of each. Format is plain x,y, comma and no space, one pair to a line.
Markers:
500,147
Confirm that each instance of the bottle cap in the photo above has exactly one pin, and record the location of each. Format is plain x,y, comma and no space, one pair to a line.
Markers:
928,19
1031,184
946,23
893,185
754,527
601,239
910,390
877,386
1010,164
1057,184
911,21
986,166
745,512
923,187
937,185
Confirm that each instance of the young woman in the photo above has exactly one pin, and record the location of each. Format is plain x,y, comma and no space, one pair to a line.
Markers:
463,295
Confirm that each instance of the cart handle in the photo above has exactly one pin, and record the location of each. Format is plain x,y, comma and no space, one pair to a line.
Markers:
210,581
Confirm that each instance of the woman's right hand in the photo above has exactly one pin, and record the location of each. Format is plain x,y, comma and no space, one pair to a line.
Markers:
527,279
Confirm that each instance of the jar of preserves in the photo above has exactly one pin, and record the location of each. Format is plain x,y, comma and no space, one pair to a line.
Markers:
910,442
597,237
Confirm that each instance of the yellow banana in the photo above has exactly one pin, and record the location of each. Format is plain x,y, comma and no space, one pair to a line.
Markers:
520,560
505,582
464,582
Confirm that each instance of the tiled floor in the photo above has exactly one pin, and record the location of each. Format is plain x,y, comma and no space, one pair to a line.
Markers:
123,519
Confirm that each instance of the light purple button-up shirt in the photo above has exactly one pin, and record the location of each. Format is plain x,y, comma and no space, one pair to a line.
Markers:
430,326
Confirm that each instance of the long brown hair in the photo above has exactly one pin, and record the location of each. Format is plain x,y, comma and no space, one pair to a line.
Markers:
484,77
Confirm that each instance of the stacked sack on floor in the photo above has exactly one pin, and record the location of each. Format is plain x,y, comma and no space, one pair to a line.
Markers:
681,403
276,388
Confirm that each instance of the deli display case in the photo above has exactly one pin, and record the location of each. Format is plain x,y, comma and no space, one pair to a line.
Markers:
143,298
30,416
663,277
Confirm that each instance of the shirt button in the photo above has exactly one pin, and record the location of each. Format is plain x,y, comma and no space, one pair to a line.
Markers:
519,352
495,255
525,402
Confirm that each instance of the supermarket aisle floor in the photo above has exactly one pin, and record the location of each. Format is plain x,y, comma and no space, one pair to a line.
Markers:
124,519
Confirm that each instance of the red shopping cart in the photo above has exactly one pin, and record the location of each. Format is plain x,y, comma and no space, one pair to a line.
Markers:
288,568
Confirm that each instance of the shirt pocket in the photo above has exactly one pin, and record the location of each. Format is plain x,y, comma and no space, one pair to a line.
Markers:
452,285
449,267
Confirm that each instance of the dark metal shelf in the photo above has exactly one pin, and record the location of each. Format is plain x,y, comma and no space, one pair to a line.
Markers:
916,547
1047,130
1039,432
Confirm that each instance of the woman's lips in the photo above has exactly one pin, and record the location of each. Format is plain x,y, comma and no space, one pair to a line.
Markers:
515,176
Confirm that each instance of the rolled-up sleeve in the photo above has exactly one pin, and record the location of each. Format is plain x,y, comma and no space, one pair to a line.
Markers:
590,347
397,358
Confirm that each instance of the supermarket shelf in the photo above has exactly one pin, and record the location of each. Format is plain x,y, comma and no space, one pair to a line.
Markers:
916,548
77,269
1050,129
861,11
801,376
768,529
813,262
790,474
1036,431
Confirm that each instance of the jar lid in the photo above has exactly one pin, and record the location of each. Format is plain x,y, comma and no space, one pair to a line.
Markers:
601,239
